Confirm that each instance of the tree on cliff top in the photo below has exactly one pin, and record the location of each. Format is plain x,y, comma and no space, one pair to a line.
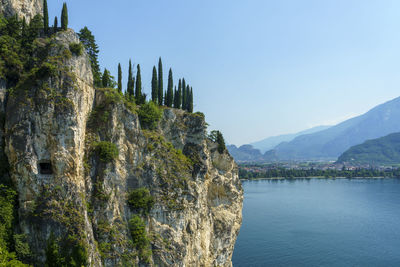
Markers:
64,17
119,78
170,88
55,25
154,86
130,85
88,40
190,105
108,81
216,136
160,83
138,90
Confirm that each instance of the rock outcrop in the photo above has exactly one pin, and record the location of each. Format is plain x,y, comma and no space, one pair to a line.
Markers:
77,153
197,214
21,8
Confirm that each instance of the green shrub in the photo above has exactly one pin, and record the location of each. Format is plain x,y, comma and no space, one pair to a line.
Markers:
7,202
76,49
137,229
149,115
22,247
7,209
199,114
9,259
107,151
46,70
140,200
65,252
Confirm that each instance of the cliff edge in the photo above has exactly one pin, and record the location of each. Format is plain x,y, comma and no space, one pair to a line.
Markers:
96,186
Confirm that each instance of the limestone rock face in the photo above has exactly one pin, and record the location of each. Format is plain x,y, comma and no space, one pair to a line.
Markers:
22,8
44,135
71,195
197,214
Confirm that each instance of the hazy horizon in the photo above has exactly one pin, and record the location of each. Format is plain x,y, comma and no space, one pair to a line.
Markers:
258,68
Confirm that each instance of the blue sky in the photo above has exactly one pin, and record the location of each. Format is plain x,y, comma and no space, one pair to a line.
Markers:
258,67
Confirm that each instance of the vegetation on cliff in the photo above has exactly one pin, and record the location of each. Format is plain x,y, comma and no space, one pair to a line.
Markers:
97,201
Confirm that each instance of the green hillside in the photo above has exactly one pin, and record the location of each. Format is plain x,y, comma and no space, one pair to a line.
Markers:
384,150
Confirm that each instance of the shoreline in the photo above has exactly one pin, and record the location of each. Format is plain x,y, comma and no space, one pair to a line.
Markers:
317,177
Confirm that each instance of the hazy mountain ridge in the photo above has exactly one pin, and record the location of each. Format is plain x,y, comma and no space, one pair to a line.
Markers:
330,143
382,151
271,142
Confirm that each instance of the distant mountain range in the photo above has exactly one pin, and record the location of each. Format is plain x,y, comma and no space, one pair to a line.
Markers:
381,151
326,143
271,142
331,143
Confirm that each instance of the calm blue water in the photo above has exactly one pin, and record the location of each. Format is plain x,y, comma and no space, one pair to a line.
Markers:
318,222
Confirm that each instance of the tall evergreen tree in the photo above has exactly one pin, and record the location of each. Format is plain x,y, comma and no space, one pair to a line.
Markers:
106,78
175,97
170,92
221,142
64,17
190,105
179,98
187,98
154,86
165,98
138,90
183,93
89,42
55,25
119,78
129,88
45,17
160,83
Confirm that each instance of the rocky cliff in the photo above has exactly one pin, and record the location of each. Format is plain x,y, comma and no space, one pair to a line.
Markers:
82,163
21,8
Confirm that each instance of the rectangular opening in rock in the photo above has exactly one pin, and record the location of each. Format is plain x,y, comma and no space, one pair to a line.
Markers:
45,168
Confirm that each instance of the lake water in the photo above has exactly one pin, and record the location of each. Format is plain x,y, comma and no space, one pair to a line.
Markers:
320,222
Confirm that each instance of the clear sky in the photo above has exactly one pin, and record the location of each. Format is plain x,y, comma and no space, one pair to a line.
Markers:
258,67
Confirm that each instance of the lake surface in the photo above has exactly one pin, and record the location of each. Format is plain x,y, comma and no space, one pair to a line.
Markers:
320,222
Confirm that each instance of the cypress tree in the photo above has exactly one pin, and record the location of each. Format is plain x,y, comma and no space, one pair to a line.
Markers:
160,83
154,86
170,92
129,88
138,89
119,78
175,97
55,25
165,98
183,93
187,97
133,87
190,106
45,17
64,17
179,100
